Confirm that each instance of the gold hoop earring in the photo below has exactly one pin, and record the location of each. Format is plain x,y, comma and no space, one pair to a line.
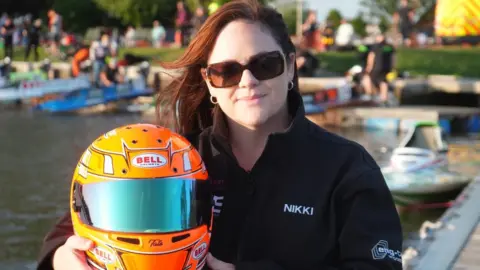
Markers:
290,85
213,100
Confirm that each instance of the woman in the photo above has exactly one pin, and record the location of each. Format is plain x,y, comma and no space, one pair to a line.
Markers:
33,38
286,193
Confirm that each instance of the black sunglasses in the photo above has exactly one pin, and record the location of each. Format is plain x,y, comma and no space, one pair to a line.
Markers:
263,66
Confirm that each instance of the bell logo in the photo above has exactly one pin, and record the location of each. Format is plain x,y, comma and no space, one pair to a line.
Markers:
149,161
200,251
103,255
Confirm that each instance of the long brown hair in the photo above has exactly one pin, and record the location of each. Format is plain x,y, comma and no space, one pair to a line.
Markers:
188,94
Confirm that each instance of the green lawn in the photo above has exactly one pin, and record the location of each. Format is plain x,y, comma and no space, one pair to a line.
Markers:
156,54
449,61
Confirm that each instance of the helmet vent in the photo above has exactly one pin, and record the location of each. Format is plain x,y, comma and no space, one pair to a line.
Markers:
134,241
180,237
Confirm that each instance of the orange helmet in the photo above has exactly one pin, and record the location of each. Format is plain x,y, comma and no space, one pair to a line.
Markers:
139,193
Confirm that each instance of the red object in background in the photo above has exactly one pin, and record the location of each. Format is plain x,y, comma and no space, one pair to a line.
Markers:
178,37
122,63
317,41
313,40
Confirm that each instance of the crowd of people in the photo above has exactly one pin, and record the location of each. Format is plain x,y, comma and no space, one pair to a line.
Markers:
380,60
377,51
23,31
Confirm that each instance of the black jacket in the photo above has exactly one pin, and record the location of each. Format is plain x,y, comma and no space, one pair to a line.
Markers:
312,201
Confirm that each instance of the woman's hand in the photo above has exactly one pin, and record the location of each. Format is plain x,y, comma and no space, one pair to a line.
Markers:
216,264
71,256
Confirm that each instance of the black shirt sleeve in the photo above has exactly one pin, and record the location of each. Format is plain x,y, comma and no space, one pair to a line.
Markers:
371,233
62,230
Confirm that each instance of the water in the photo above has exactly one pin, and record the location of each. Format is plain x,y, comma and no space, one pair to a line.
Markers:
37,159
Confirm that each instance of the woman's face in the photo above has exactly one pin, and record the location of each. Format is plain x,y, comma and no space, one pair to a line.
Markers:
252,101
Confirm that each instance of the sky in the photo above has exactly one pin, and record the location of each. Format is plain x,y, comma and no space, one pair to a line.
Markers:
348,8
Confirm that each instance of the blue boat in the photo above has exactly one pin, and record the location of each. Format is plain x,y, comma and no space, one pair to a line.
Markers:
88,97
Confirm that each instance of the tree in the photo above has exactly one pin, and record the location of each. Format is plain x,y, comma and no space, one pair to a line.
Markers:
334,17
139,12
359,25
384,24
290,17
386,8
75,12
35,7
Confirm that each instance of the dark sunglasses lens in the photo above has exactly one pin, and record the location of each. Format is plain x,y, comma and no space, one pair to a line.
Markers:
267,66
225,74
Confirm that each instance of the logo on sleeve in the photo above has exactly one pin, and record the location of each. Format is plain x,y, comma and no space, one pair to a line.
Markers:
217,205
381,251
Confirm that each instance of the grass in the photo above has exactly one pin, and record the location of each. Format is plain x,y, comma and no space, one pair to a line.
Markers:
449,61
167,54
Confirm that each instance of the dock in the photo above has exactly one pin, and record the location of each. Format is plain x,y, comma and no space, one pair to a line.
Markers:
470,257
453,241
438,83
452,119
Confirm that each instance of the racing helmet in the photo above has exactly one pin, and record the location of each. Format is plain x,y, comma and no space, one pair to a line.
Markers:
139,192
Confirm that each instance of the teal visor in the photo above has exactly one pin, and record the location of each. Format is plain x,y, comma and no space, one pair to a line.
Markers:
151,205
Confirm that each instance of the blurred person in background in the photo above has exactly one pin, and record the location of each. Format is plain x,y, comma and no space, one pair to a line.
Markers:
7,31
158,34
55,30
99,50
198,20
380,61
405,16
27,23
79,57
344,36
130,37
182,22
33,36
110,74
309,28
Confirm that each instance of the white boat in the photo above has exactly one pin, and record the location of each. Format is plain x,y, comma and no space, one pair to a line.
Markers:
39,88
419,171
422,147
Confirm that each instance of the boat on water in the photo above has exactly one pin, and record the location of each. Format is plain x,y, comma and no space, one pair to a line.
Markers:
27,89
422,147
419,171
338,95
88,97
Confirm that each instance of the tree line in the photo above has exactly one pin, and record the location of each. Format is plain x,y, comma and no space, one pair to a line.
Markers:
79,15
